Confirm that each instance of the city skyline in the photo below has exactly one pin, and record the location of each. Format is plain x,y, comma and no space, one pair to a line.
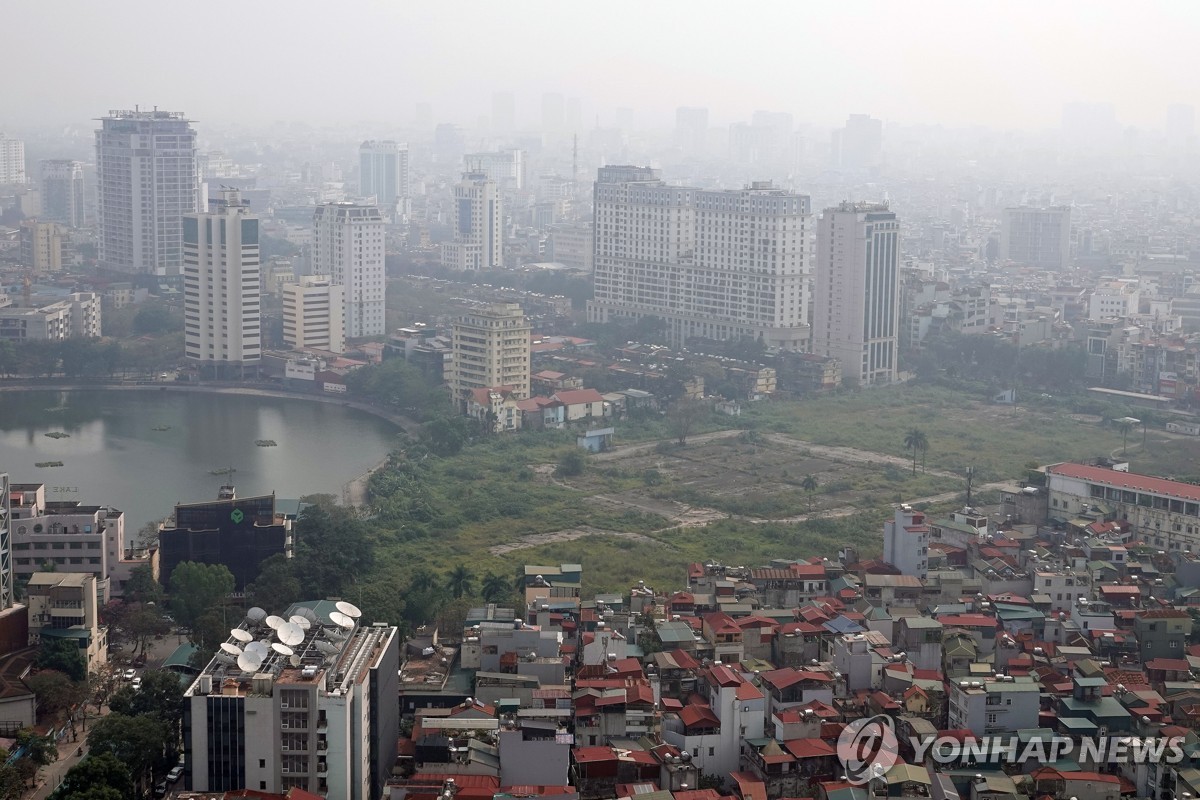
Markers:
933,62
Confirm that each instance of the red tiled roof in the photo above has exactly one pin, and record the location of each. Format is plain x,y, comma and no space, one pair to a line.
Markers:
693,716
585,755
748,691
1127,480
570,397
809,748
1169,664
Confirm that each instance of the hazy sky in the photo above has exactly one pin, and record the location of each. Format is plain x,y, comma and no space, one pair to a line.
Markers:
1004,63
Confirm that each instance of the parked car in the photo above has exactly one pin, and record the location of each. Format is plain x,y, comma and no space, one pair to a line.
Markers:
130,674
160,789
175,774
137,683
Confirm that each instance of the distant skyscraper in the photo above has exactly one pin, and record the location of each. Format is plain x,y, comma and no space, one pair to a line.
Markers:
12,160
146,180
478,225
504,112
859,145
62,192
383,172
1037,237
222,311
348,247
505,167
711,264
691,129
856,303
554,113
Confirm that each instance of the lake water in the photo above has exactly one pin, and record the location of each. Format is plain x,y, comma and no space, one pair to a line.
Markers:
114,456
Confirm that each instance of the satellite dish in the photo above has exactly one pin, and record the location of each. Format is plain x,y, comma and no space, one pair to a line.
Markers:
242,635
274,622
294,660
249,662
231,649
349,609
302,622
283,649
261,648
256,615
307,613
327,647
290,633
224,658
341,620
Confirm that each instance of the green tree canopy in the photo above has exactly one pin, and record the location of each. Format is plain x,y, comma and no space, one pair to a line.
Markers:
56,693
333,548
141,586
100,776
197,587
276,586
160,697
138,742
39,749
461,581
63,656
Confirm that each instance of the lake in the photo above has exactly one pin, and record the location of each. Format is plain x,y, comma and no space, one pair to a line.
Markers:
144,451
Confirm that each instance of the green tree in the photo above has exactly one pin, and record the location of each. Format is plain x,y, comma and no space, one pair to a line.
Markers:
1125,425
197,587
41,750
160,697
63,656
809,484
333,548
141,586
155,318
496,588
138,742
100,776
13,782
276,585
683,416
571,463
918,442
55,692
461,581
445,436
136,622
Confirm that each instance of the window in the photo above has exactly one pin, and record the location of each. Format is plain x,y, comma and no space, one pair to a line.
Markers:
262,763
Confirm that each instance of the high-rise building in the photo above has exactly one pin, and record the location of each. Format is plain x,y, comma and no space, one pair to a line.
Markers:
504,167
712,264
1037,237
383,172
44,245
856,301
490,348
858,145
478,225
316,710
222,308
348,247
62,192
146,180
691,129
312,314
12,160
504,112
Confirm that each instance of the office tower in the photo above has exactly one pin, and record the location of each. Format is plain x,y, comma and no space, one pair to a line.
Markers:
858,145
62,192
146,180
44,245
6,582
222,314
691,129
856,302
383,172
312,314
478,225
1036,237
505,168
554,113
348,247
712,264
12,160
316,711
489,348
504,112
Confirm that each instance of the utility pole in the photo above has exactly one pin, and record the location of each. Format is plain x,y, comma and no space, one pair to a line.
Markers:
970,479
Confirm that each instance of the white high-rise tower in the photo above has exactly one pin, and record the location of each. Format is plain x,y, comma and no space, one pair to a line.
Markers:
62,192
856,303
348,247
146,181
222,312
383,174
12,160
478,225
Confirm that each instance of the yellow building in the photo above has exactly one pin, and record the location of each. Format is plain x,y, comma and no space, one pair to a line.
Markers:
490,348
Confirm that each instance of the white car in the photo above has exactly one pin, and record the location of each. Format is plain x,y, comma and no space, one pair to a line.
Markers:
175,774
130,674
137,683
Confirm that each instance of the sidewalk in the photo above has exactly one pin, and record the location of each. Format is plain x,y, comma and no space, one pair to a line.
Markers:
50,776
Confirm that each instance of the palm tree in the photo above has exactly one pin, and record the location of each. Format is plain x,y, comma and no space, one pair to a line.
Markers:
916,440
1125,424
461,581
423,581
809,484
495,587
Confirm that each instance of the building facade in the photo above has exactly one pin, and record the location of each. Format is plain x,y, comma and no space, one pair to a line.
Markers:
76,316
66,606
478,225
62,192
312,314
505,168
146,180
711,264
12,160
383,173
321,715
906,542
856,306
1037,237
222,307
348,247
489,349
45,245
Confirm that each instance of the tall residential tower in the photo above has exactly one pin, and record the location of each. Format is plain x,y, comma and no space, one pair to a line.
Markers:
490,348
348,247
383,174
62,192
856,303
146,180
478,225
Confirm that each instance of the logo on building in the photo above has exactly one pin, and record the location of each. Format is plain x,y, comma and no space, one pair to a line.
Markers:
867,749
237,516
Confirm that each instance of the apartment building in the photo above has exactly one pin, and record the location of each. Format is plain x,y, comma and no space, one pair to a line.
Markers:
313,314
348,246
77,316
490,349
478,225
711,264
906,542
63,198
45,246
64,605
1005,704
1036,237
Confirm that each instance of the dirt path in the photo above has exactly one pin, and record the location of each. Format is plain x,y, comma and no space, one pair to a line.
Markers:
851,455
568,535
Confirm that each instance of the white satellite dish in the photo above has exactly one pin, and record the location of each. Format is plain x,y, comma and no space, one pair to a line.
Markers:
224,658
283,649
294,660
231,649
260,648
274,622
307,613
327,647
242,635
249,662
302,622
256,615
341,620
349,609
290,633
